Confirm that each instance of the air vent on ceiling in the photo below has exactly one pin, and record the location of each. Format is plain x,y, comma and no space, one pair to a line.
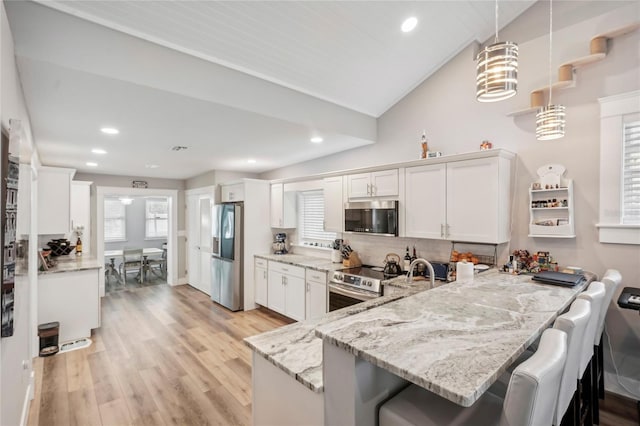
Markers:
178,148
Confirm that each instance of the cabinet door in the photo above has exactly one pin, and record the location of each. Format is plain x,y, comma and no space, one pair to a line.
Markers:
425,201
333,205
384,183
316,300
472,200
54,200
230,193
277,192
260,277
359,185
295,297
275,292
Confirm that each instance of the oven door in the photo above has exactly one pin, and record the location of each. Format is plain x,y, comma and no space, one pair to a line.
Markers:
341,296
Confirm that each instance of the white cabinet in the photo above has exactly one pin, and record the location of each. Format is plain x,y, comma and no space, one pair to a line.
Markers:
466,200
54,200
425,203
333,204
260,280
383,183
316,299
551,204
478,200
283,207
81,212
23,221
73,299
231,193
286,290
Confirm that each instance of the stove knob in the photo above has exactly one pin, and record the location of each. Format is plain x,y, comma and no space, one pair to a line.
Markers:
339,277
369,283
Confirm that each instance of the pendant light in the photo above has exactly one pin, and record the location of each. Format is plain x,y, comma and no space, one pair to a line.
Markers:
497,70
550,119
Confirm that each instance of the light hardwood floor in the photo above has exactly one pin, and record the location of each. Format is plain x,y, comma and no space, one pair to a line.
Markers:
168,355
162,356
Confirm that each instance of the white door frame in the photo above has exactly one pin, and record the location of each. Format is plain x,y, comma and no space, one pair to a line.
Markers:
172,238
205,190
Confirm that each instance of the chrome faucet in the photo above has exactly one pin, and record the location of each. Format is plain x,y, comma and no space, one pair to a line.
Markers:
425,262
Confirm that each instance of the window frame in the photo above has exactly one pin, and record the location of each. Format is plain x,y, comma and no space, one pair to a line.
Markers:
123,219
304,239
155,219
614,111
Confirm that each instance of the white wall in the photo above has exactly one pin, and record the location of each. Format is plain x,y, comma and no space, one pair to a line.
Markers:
15,350
455,122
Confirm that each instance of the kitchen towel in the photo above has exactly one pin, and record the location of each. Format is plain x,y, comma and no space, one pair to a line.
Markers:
464,271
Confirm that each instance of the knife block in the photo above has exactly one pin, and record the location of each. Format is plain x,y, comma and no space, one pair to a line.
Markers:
353,261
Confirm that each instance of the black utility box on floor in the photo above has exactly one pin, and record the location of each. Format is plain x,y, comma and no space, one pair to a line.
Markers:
48,334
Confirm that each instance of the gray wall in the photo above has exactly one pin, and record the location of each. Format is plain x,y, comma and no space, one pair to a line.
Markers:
455,122
135,228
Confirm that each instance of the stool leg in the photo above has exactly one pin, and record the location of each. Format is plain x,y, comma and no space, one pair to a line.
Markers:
595,406
601,369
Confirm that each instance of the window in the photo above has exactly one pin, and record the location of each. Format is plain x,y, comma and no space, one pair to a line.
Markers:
114,220
631,173
156,218
311,218
619,221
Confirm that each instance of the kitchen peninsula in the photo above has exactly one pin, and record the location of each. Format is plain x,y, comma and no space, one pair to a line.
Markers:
423,338
69,293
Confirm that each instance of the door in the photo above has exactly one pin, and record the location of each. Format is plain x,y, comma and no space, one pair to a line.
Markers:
227,232
384,183
216,275
261,285
275,291
472,200
316,300
359,185
229,290
425,201
333,205
277,194
199,241
295,297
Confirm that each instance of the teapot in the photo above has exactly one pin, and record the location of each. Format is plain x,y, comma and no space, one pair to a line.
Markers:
392,265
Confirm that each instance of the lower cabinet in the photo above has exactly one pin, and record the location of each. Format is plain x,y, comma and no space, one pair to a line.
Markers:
286,290
316,300
261,279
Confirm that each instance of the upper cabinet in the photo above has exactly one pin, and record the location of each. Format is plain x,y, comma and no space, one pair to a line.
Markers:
383,183
333,204
283,207
54,200
231,193
466,200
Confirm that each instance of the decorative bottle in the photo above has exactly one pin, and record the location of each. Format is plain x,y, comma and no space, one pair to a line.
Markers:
406,261
423,145
79,246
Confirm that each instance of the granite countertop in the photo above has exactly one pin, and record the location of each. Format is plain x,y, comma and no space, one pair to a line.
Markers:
414,286
317,263
297,350
470,331
72,263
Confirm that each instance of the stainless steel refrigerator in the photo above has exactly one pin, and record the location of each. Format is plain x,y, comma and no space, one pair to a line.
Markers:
227,286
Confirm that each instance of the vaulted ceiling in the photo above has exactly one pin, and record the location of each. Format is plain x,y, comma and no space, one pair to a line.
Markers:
232,80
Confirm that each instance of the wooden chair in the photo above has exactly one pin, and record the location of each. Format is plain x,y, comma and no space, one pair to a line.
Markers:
158,267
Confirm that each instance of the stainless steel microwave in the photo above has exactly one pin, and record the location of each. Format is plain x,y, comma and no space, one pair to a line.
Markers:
372,217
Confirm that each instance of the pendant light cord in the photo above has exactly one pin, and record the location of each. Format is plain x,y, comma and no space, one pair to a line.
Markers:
550,48
496,21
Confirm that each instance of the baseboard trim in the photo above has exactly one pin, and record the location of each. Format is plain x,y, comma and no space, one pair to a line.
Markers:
28,396
183,280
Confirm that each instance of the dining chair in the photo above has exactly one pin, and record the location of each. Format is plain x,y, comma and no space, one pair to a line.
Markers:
611,280
131,261
585,400
530,399
158,265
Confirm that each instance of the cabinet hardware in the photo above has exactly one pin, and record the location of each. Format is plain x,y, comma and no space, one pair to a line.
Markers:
264,274
368,193
448,231
307,287
441,230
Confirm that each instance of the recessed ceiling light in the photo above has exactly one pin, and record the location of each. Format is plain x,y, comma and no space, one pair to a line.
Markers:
151,166
409,24
98,151
251,161
110,130
316,139
92,164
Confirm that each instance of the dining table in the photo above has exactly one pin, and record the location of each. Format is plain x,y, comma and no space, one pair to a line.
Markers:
112,255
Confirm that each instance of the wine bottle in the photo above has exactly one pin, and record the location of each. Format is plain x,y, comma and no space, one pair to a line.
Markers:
406,261
79,246
414,257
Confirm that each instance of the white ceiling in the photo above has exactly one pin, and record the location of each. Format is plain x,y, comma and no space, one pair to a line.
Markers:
231,80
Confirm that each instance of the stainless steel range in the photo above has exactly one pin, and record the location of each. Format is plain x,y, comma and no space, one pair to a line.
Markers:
350,286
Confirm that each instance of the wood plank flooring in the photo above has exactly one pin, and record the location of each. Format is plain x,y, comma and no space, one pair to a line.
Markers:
164,355
168,355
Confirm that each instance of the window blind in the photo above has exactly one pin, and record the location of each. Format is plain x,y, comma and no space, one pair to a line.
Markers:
631,173
156,218
312,217
114,220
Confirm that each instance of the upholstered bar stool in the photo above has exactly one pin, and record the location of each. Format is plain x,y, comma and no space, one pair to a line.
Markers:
530,399
594,294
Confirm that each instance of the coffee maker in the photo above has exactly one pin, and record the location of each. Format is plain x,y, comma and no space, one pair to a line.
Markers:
280,243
